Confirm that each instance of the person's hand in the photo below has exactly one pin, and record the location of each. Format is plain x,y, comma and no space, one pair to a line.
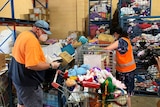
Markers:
55,64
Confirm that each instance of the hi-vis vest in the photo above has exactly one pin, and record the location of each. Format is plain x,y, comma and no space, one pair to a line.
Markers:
125,62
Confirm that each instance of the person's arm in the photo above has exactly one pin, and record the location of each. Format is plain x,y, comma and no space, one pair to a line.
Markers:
43,66
112,46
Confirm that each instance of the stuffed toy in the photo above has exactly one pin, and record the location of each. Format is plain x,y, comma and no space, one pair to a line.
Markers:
70,82
89,76
103,74
107,88
78,70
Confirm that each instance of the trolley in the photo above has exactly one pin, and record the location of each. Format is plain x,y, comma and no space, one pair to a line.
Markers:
74,98
95,96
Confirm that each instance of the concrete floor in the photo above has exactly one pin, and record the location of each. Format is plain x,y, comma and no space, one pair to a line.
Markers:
144,101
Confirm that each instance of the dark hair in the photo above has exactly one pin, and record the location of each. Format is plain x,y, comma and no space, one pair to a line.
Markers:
120,31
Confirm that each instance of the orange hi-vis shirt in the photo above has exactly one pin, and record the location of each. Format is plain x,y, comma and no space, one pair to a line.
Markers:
27,49
125,62
26,52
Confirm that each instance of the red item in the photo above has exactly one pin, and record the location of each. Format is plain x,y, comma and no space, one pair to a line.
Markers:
65,76
55,85
89,80
145,25
90,84
154,83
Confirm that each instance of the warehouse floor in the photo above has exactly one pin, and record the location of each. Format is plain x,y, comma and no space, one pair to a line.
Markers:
144,101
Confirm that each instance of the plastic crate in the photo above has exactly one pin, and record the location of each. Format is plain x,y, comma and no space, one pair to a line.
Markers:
50,100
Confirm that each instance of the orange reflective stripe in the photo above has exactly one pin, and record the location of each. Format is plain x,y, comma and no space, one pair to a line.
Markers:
125,65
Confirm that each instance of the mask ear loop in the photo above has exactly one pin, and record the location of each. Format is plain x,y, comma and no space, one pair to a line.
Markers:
35,32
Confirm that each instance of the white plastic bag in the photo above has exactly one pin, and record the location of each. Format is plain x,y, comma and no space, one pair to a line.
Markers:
6,41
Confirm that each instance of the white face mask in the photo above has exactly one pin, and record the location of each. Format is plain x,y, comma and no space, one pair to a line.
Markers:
43,37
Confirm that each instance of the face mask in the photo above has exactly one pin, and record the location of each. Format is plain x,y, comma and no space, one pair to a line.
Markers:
43,37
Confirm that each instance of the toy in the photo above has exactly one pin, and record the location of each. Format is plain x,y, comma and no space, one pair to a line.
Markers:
107,89
78,70
70,82
103,74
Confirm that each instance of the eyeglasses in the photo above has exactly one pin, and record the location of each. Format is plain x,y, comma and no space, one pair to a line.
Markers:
41,30
44,28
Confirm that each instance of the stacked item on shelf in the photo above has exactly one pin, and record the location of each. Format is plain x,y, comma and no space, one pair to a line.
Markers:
134,7
129,8
137,26
99,16
144,33
147,79
37,13
148,82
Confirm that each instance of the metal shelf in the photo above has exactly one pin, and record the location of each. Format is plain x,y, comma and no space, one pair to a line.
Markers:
99,14
15,22
100,22
137,10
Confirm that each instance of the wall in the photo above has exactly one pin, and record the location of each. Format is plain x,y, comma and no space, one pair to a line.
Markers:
155,8
66,15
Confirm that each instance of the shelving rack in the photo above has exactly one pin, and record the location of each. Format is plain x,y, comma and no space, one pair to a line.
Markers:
17,22
100,12
133,8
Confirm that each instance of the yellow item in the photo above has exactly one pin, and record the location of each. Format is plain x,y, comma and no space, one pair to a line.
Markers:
76,44
93,40
73,77
110,105
106,37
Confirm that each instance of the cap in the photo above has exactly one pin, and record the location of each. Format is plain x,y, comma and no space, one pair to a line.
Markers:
43,25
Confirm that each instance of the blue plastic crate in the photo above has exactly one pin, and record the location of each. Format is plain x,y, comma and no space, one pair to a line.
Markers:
50,100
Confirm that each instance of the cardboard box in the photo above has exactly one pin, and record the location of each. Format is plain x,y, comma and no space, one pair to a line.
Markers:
31,11
2,61
24,16
44,17
34,17
44,11
39,10
66,57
